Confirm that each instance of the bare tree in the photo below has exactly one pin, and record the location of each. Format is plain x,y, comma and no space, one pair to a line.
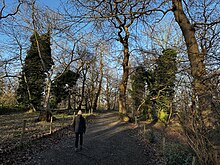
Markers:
98,91
120,15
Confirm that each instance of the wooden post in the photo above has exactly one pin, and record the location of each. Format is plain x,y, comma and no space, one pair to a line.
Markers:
216,155
164,144
51,122
216,150
136,122
194,160
23,131
73,117
63,120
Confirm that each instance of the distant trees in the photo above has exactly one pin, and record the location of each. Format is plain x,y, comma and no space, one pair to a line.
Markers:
37,62
99,80
7,95
110,88
63,87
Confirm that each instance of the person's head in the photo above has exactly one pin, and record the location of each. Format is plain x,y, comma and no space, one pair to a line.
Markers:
79,112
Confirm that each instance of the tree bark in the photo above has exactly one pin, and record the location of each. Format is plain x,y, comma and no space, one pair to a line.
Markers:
125,75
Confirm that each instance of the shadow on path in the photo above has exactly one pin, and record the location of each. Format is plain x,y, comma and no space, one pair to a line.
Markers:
106,142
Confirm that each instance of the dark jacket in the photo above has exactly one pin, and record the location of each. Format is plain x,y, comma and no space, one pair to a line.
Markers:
79,124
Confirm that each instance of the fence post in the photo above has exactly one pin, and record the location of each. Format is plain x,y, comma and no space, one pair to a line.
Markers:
164,144
194,160
136,121
63,120
51,122
23,131
73,116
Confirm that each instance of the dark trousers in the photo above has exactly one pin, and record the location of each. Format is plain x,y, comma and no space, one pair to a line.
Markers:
77,139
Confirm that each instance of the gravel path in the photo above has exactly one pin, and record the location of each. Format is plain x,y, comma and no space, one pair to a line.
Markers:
106,142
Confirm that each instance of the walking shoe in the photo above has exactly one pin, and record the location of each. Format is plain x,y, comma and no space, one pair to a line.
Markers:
76,149
80,148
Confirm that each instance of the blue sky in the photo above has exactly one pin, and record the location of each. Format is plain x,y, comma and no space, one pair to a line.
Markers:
50,3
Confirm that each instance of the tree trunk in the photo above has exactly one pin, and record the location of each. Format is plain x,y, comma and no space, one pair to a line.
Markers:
29,93
125,75
83,89
196,58
107,94
47,97
100,85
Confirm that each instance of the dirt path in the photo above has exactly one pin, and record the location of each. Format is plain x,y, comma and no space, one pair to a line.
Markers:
106,142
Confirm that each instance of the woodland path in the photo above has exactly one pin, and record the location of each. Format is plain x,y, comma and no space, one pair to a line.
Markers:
106,142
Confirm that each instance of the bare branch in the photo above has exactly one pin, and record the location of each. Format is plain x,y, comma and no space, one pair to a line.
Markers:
2,16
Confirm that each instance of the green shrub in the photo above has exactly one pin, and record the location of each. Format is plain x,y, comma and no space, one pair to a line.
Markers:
163,115
177,154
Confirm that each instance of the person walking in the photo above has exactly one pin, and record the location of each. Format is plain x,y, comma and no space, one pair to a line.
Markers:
79,129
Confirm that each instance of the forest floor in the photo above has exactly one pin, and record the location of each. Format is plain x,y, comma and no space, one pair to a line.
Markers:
107,141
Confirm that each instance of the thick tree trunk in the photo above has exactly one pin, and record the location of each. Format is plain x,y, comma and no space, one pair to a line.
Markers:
124,81
200,85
